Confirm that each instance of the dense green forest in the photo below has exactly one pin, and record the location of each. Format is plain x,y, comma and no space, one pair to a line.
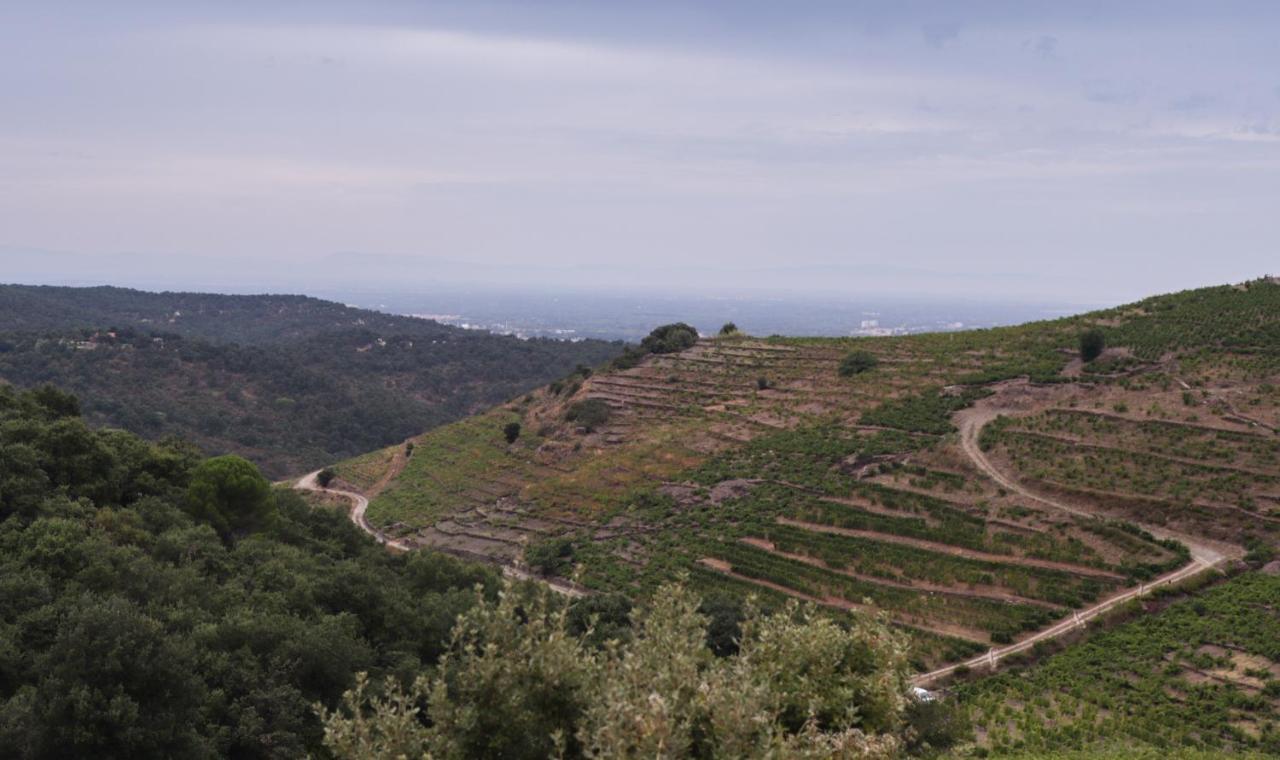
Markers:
130,628
247,319
290,382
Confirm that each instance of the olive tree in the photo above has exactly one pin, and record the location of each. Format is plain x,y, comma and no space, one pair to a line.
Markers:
518,683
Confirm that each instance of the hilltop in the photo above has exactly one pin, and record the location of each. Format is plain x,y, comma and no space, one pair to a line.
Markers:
214,317
288,381
975,488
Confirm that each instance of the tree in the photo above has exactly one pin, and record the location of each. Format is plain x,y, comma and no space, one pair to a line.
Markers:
1092,342
762,383
325,477
601,618
115,686
518,683
729,328
511,431
58,402
670,339
230,494
724,623
857,362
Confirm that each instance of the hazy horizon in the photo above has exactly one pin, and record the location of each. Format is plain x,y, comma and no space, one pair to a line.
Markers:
1034,153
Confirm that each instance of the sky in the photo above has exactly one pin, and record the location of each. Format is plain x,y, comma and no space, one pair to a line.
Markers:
1092,152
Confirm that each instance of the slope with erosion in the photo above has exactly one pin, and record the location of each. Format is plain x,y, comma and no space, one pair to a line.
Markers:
754,465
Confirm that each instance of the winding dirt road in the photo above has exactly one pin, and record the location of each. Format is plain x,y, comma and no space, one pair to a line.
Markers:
360,503
1204,557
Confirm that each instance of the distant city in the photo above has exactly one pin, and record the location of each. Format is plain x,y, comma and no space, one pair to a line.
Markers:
576,316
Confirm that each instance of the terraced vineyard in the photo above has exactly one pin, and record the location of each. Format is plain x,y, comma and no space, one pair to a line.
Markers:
972,487
1204,674
1218,482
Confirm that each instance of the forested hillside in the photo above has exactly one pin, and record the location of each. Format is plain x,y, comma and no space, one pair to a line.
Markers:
288,381
154,605
157,605
245,319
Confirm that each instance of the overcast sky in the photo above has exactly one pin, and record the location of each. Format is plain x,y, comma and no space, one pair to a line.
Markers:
1084,151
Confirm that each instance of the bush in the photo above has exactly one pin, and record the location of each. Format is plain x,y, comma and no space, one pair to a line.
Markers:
935,725
857,362
670,339
551,557
519,684
325,477
667,339
511,431
762,383
590,414
729,328
1092,343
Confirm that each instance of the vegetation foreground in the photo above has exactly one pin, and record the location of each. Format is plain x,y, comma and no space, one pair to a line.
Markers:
769,542
974,489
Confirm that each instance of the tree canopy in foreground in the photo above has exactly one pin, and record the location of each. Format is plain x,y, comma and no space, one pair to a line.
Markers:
517,683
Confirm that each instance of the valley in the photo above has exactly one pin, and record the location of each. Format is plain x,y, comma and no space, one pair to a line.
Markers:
290,382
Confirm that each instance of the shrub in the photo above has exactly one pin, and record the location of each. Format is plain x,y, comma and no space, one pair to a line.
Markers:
519,684
1092,342
590,414
670,339
762,383
935,725
325,477
551,557
857,362
511,431
667,339
729,328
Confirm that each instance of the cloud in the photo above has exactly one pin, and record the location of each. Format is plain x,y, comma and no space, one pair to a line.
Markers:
1193,102
939,34
522,141
1110,93
1045,46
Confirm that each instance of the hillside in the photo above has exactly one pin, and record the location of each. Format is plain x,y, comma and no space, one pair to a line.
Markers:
288,381
131,626
975,488
214,317
156,605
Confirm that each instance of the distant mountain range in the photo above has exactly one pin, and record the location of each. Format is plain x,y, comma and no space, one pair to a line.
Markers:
290,381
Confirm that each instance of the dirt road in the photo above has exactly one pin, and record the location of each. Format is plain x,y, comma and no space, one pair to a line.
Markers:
359,504
1204,557
1066,625
972,420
